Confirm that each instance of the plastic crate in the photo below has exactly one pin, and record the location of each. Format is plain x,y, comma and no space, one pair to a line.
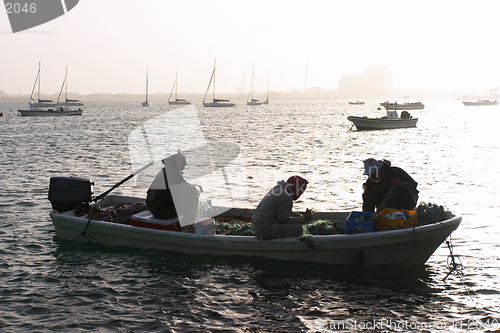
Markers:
384,224
353,226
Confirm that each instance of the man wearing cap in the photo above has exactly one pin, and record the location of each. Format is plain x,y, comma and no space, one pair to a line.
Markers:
170,195
271,219
390,183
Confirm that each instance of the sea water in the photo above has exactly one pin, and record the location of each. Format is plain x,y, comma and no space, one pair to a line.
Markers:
44,287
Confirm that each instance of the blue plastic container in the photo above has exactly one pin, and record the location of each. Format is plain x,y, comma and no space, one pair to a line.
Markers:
352,226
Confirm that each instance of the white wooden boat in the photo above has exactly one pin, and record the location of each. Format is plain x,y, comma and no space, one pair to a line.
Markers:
403,247
253,101
176,101
404,106
215,101
146,102
481,102
46,107
365,123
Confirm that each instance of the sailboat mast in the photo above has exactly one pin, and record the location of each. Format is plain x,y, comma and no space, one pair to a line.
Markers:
209,83
175,85
64,81
253,69
39,79
146,84
66,90
213,94
305,83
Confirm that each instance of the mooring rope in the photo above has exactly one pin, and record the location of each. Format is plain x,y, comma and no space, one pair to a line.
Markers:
455,267
84,235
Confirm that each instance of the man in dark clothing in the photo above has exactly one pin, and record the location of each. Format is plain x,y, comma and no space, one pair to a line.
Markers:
390,183
170,195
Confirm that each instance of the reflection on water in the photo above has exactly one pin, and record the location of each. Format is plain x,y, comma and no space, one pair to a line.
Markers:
452,154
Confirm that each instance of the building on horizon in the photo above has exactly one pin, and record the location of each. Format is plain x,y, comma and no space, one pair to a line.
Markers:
377,82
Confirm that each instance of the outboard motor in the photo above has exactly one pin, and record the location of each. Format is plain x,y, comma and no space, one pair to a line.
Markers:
65,192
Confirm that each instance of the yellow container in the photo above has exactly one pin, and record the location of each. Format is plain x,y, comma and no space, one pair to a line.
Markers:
384,224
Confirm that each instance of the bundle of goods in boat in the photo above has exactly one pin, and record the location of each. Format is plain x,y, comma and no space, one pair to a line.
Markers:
428,213
233,227
321,227
393,219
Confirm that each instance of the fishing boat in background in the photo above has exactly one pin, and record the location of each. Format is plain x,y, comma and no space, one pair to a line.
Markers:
42,107
146,103
390,121
253,101
402,247
176,101
356,103
481,102
215,101
405,106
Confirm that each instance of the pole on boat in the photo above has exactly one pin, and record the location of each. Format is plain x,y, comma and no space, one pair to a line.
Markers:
102,195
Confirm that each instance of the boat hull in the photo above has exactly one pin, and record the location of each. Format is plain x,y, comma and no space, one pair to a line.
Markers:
404,247
480,103
218,105
254,103
364,123
179,102
404,106
50,113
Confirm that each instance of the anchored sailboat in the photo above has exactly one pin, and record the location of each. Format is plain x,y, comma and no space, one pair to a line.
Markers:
146,103
43,107
67,102
177,101
253,101
215,102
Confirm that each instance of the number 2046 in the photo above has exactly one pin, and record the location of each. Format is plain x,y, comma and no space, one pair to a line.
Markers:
16,8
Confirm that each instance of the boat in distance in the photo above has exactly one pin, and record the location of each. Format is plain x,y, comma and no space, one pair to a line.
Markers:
357,103
405,106
365,123
49,112
215,101
403,247
480,102
42,107
176,101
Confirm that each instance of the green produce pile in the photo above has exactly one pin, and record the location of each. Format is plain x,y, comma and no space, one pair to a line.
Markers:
431,213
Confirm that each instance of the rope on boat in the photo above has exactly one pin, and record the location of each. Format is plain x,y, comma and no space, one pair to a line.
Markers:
455,267
84,235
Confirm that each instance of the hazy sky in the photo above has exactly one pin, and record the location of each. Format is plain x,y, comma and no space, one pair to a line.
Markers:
107,44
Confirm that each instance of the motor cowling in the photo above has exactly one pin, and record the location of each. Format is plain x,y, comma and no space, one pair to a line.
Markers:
65,192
